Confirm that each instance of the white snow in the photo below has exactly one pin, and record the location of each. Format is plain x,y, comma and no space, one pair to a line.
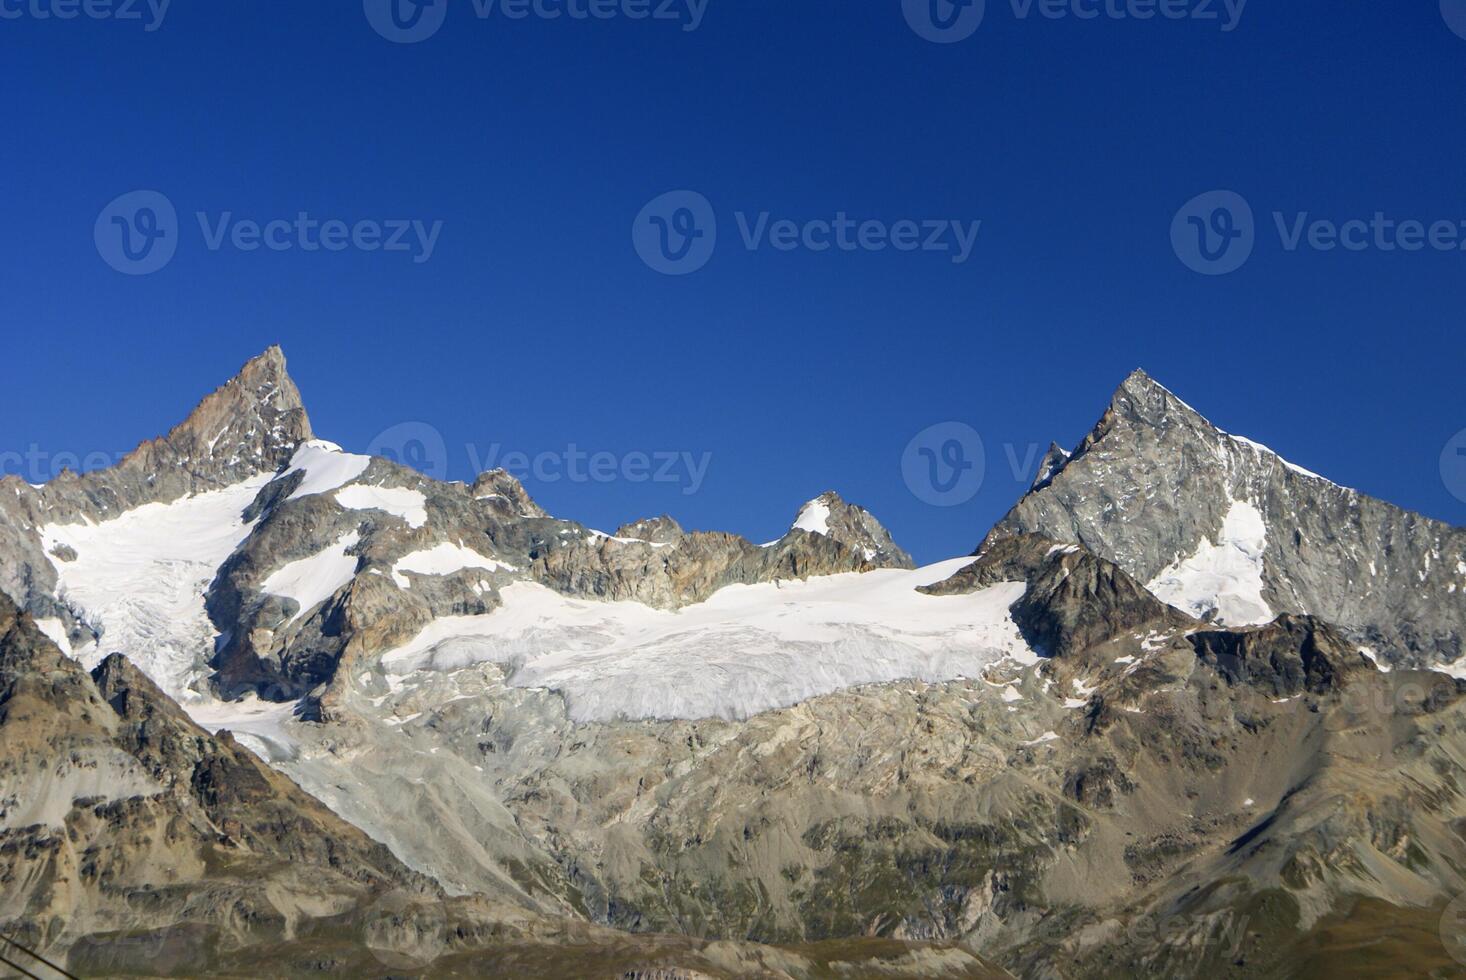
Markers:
311,581
410,505
1374,659
141,577
443,559
747,649
1223,578
326,467
1457,669
55,631
1259,447
1045,737
814,517
259,725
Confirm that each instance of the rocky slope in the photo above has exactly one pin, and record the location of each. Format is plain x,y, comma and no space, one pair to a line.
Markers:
132,842
1229,530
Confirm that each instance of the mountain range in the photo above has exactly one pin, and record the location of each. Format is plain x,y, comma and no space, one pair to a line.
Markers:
1186,710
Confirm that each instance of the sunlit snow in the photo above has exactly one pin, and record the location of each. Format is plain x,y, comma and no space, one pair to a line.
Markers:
443,559
747,649
410,505
141,577
1223,578
311,581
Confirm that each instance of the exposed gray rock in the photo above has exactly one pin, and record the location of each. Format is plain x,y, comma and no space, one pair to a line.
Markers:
1075,600
1154,480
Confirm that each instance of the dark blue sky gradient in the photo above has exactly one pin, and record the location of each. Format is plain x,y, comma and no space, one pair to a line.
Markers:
535,325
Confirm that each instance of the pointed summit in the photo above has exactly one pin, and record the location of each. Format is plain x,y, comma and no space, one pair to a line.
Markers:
250,425
1216,524
256,417
853,526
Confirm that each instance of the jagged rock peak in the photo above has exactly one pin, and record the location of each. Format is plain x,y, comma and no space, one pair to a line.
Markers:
256,415
1053,461
850,525
249,426
1213,521
656,530
500,490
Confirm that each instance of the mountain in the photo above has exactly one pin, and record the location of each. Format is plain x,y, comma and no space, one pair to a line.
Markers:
132,842
1157,724
1226,529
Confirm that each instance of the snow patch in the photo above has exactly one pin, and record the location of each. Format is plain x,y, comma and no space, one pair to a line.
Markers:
326,466
55,631
140,579
444,559
311,581
410,505
814,517
747,649
1222,580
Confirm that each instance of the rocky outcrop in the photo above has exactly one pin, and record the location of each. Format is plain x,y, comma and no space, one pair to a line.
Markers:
829,516
1075,601
1287,657
120,815
1154,483
657,563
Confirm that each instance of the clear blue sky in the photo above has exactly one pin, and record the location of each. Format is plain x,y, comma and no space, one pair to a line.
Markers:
535,325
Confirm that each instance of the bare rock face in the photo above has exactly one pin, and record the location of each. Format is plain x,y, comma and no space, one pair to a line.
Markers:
506,495
854,527
1287,657
1154,483
1075,600
658,563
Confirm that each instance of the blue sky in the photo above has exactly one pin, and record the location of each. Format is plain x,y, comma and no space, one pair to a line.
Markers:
529,148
